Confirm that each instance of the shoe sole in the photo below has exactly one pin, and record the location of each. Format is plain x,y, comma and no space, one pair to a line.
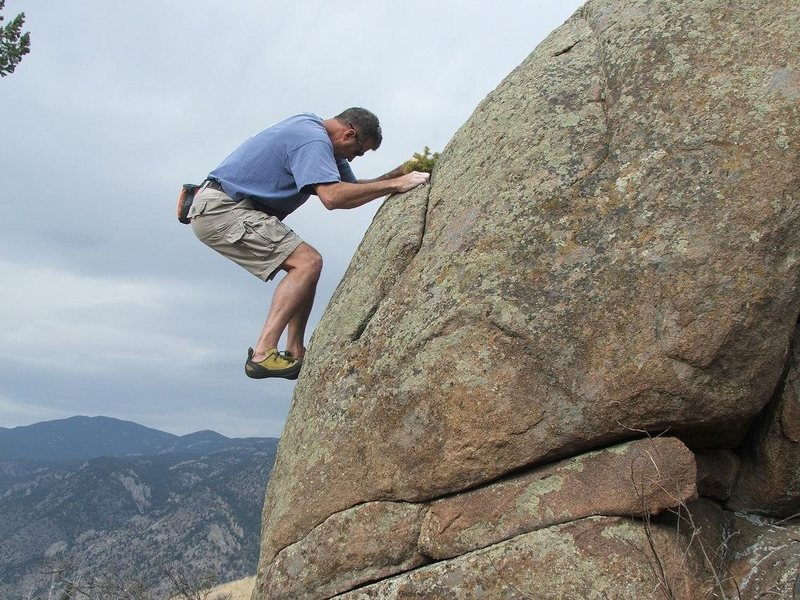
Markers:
256,371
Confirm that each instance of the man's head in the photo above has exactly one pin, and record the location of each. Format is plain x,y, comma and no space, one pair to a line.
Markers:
358,131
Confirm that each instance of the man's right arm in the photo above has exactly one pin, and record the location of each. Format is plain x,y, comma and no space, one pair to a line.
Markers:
393,174
351,195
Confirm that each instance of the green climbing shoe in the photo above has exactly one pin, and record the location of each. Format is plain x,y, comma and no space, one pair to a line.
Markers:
276,364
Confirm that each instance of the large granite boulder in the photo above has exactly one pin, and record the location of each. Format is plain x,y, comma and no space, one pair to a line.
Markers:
610,248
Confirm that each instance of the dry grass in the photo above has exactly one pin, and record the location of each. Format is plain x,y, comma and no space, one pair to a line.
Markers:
234,590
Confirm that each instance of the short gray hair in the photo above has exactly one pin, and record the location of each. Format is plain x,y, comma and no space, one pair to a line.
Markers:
365,123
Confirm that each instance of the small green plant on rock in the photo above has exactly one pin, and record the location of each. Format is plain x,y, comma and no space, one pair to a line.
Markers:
421,161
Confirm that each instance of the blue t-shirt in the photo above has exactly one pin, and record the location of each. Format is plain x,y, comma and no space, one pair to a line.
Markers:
279,166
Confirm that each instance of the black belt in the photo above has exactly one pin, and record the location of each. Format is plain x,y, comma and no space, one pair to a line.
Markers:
214,185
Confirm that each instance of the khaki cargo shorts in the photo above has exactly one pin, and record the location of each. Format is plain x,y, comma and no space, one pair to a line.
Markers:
252,239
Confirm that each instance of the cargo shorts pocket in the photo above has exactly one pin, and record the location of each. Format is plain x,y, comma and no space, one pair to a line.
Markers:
235,232
260,233
197,208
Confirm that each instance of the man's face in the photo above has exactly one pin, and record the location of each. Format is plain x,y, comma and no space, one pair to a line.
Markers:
351,144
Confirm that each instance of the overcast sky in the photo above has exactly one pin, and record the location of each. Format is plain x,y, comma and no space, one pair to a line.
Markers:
108,305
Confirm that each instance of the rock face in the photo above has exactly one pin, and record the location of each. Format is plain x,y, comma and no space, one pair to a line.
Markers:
609,249
639,478
376,540
611,555
770,479
359,545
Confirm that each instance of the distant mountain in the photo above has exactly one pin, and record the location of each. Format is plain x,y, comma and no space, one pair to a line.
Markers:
128,504
78,438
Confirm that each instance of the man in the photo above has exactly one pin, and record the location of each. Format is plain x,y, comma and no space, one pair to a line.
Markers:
240,208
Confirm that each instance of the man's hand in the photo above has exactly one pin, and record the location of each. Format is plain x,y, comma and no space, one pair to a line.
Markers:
395,173
412,180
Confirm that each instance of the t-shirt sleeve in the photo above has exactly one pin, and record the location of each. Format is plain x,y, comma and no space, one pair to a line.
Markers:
345,172
313,163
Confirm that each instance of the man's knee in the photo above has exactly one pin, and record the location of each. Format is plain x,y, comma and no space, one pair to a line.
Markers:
315,262
306,259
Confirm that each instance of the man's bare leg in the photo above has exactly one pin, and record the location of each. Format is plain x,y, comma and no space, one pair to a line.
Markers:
296,332
291,302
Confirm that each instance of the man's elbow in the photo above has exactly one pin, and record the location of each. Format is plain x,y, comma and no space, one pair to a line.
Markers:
328,202
329,197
